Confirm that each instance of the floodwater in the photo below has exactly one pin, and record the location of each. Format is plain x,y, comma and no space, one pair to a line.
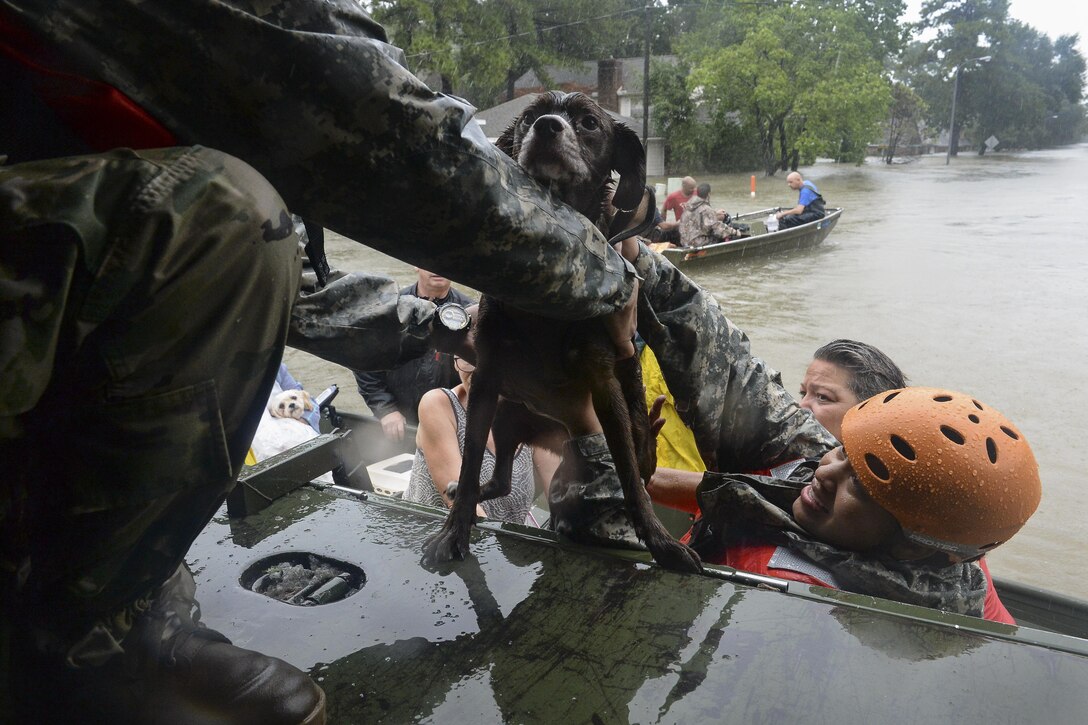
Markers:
972,276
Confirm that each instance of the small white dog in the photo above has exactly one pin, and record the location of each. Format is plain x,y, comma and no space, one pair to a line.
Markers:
291,404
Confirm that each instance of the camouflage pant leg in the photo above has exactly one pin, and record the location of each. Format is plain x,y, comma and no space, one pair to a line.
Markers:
146,299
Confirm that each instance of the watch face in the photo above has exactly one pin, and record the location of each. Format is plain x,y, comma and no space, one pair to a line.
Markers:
453,317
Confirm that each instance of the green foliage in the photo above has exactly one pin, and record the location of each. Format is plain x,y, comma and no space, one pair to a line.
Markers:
806,77
1027,96
768,85
906,111
480,47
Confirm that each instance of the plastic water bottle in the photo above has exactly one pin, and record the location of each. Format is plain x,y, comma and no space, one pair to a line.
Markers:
771,223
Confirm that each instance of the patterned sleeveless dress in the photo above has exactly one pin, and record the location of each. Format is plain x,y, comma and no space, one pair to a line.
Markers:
513,507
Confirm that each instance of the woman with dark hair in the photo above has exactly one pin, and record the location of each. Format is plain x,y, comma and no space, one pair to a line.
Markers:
842,374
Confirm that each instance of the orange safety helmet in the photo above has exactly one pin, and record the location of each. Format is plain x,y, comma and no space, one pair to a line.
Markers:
956,474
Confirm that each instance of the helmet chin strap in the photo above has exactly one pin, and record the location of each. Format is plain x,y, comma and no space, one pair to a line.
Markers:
955,552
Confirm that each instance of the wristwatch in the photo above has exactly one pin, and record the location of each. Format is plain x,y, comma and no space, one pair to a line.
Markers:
453,316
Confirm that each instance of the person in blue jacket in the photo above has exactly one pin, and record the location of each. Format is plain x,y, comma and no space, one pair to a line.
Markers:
810,205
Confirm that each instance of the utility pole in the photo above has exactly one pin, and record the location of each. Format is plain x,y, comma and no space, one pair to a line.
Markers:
646,81
955,92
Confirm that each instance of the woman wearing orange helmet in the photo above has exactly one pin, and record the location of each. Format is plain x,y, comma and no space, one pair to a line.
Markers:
925,483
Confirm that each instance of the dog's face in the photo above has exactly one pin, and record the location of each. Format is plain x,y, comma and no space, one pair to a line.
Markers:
291,404
567,141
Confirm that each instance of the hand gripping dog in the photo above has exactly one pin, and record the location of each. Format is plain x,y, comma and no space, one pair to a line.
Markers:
533,372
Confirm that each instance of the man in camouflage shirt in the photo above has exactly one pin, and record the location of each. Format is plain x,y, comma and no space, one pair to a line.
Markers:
147,297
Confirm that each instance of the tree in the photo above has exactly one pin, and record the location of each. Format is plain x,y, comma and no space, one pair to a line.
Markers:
806,77
964,29
906,111
1027,96
479,48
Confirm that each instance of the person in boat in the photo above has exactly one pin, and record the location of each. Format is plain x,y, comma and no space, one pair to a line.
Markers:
677,201
393,396
810,205
842,374
926,482
150,287
440,444
702,224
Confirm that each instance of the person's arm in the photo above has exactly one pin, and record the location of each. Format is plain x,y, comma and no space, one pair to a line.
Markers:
546,459
375,392
348,136
675,489
436,437
742,417
804,198
374,388
714,225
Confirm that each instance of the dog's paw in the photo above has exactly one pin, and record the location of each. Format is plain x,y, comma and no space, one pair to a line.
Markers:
675,556
495,489
451,542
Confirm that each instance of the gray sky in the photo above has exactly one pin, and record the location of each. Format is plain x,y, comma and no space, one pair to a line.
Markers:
1051,17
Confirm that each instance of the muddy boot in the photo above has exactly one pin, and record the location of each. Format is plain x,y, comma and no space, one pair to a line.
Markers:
176,671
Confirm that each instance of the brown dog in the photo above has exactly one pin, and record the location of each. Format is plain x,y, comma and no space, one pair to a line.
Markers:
529,363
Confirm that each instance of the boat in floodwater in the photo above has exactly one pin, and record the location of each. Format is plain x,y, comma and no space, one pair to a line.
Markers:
762,241
531,628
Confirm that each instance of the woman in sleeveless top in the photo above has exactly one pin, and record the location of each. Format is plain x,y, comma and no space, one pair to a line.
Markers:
440,442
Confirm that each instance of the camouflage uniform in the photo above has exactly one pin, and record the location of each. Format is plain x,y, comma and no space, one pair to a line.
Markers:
311,95
700,225
104,363
146,300
742,416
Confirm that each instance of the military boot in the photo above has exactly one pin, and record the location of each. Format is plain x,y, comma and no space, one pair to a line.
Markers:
176,671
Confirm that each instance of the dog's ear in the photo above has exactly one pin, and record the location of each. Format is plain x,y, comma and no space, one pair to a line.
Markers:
505,142
629,159
307,401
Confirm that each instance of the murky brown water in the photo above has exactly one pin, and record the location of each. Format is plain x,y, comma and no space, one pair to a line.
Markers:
971,276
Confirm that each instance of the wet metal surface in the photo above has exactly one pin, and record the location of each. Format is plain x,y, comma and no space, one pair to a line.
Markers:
527,631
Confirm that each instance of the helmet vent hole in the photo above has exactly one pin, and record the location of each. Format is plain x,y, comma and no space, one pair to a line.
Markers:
973,418
978,405
942,398
888,398
953,435
863,405
903,448
877,467
1010,433
991,450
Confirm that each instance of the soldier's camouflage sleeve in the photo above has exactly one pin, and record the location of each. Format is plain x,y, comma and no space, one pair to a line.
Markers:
310,94
361,321
742,416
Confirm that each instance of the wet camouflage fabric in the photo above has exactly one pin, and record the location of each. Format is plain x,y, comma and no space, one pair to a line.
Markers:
145,301
361,321
700,225
311,95
742,416
585,499
735,507
355,142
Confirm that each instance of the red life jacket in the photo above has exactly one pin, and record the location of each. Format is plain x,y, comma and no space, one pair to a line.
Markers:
98,114
755,558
